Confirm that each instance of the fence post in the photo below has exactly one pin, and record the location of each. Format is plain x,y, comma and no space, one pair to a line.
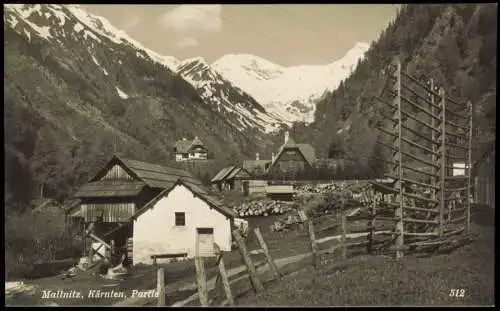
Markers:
201,279
314,245
398,158
224,277
371,222
469,164
442,162
254,279
269,259
343,232
434,156
160,287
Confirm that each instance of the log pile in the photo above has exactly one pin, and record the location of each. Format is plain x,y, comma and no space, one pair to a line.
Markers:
262,208
334,197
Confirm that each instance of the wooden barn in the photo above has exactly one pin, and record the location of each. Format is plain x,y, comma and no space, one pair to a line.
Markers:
115,201
231,178
483,173
292,158
186,150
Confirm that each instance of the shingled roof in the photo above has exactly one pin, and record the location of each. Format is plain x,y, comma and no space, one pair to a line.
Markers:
223,173
184,145
252,165
306,150
228,173
144,174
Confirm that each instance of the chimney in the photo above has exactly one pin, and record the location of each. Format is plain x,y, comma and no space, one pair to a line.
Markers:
273,155
286,136
257,156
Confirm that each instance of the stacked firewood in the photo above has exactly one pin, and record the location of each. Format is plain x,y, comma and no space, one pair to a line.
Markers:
262,208
348,198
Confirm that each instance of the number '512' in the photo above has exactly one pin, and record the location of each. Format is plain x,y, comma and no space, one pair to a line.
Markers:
457,292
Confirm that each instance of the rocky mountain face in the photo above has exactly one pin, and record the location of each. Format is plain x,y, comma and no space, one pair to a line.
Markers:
227,99
77,89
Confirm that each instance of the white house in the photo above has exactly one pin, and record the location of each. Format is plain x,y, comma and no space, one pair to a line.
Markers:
190,150
178,218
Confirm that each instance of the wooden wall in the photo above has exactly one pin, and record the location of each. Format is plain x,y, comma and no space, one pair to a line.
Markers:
111,212
484,181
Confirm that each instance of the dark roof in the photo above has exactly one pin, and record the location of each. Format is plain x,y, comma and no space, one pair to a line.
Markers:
158,176
223,173
145,174
251,165
110,188
201,192
306,150
184,146
236,172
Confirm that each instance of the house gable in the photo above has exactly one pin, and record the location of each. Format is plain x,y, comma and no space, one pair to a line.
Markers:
156,232
289,154
115,169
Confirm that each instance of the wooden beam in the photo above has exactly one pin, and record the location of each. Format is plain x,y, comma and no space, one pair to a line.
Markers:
417,145
254,279
469,169
343,232
442,162
201,278
263,245
160,287
224,276
314,244
399,211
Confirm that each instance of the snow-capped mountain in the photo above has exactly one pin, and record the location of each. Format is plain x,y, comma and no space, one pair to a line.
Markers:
290,92
84,80
227,99
57,24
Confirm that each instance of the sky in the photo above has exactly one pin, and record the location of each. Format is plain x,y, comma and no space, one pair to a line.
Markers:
288,35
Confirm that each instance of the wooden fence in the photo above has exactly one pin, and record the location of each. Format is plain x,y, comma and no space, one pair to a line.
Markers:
427,202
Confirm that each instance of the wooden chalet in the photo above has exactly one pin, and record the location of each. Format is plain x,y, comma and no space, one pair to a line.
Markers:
231,178
292,158
109,201
185,150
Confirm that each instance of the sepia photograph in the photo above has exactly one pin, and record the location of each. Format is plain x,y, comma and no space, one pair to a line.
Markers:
250,155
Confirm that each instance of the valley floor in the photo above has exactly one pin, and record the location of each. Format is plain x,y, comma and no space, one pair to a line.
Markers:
383,281
361,280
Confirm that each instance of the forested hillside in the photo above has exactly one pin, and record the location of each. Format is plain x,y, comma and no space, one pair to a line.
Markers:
74,94
454,44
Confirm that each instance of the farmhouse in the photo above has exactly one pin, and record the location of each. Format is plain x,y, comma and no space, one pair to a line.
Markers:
190,150
292,158
152,210
231,178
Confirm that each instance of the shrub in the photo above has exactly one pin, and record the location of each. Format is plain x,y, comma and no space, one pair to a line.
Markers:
36,238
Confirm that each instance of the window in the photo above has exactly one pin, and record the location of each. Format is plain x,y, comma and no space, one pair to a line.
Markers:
180,219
